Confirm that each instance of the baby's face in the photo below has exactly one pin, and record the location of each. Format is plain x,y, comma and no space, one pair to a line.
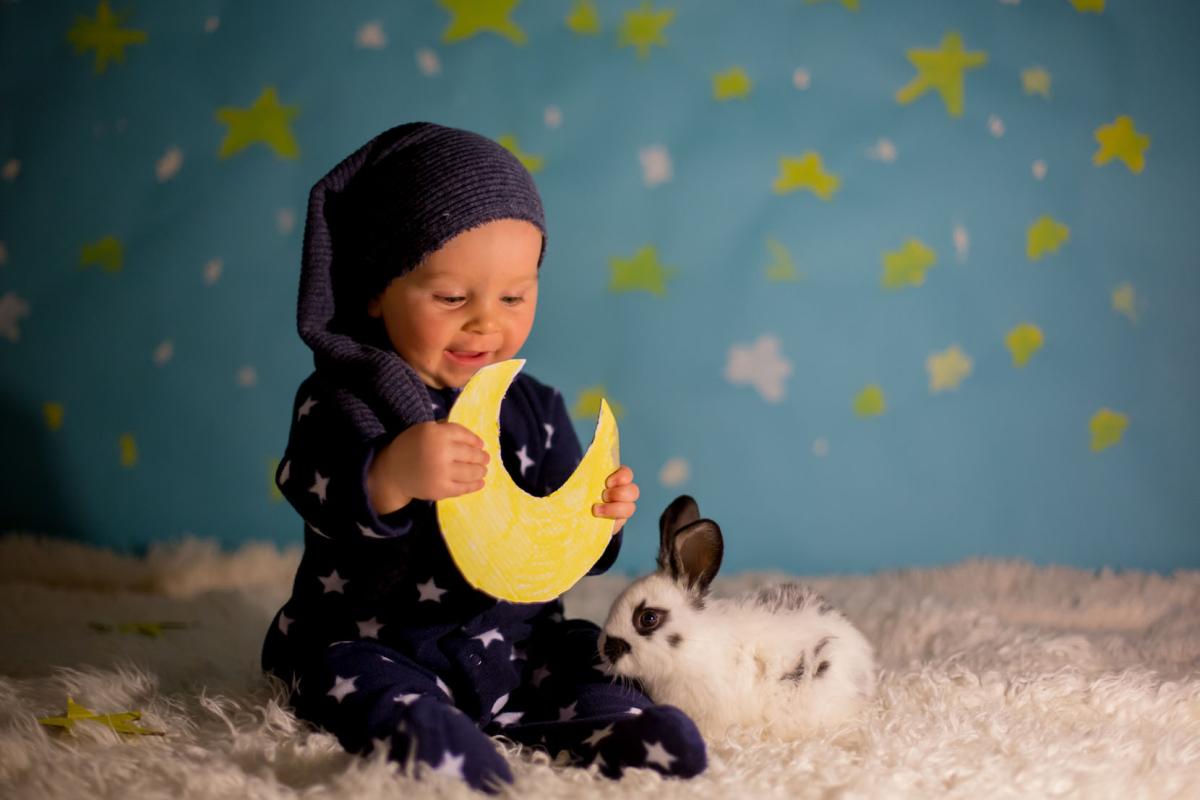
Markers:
467,305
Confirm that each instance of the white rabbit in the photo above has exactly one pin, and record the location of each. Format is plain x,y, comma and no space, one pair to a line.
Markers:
781,661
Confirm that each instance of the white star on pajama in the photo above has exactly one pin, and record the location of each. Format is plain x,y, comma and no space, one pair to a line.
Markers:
598,736
633,712
333,583
430,591
367,532
388,660
526,461
320,485
284,622
318,531
305,407
285,473
342,687
540,674
567,713
445,689
369,628
499,704
509,718
407,699
487,637
549,433
451,765
657,754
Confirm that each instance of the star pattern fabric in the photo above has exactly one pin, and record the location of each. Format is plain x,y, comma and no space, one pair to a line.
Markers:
385,645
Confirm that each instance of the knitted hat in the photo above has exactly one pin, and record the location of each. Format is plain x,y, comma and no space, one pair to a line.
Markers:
373,218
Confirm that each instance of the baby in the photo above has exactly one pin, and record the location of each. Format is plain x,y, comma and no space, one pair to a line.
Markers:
421,258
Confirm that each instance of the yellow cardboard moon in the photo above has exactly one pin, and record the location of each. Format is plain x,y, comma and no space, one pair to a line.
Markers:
506,542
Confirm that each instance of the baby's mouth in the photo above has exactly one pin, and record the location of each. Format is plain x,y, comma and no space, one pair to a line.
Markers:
468,357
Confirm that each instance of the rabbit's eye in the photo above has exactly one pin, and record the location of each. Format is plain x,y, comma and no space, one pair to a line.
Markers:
647,619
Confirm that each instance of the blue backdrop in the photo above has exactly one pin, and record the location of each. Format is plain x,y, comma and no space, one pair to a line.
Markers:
880,283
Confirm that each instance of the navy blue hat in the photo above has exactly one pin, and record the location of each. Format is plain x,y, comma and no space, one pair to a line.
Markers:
374,217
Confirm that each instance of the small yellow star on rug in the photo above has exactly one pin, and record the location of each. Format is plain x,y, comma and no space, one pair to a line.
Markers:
121,722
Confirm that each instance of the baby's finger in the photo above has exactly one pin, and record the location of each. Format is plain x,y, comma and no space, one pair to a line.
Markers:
625,493
457,433
462,472
621,475
465,453
614,510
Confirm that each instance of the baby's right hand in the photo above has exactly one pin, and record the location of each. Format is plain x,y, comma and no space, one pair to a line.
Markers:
428,461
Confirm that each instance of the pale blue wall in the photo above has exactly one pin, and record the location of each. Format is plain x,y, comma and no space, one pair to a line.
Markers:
1002,465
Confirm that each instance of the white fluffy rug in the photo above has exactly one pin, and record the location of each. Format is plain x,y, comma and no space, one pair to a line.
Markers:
999,679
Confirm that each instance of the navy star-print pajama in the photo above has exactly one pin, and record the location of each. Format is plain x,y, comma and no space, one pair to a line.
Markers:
385,645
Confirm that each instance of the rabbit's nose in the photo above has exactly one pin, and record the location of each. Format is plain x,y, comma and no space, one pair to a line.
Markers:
614,648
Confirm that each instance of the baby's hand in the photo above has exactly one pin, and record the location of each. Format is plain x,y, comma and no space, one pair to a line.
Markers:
428,461
620,498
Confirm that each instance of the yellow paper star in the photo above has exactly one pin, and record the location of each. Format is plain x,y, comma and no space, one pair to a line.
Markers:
947,369
107,252
732,83
1023,341
942,70
584,19
908,265
781,269
1086,6
643,28
588,404
1045,235
531,162
1124,301
1107,428
643,273
104,35
53,414
1120,139
121,723
470,17
870,401
806,172
129,451
850,4
266,121
1036,80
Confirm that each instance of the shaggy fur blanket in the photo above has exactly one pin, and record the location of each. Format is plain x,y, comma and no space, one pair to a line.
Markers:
998,679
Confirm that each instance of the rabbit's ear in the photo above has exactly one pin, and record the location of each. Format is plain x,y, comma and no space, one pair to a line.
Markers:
683,511
696,553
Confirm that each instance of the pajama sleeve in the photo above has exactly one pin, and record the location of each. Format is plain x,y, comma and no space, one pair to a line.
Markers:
323,473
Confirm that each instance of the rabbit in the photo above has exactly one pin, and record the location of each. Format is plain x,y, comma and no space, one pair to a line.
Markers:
781,661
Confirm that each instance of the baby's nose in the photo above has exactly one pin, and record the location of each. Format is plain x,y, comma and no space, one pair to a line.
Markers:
614,647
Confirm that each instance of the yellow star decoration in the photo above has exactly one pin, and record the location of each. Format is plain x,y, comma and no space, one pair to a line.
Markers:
643,273
1107,428
1036,80
1124,301
53,414
584,19
121,723
731,84
154,630
1023,341
266,121
587,406
129,451
908,265
1120,139
470,17
530,162
806,172
104,35
850,4
947,369
272,468
108,252
781,269
1086,6
942,70
643,28
870,402
1045,235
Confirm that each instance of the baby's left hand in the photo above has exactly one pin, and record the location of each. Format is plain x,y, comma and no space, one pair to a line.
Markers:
620,498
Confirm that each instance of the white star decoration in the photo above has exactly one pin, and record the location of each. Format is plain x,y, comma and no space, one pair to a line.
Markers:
320,485
487,637
318,531
407,699
305,407
342,687
549,433
761,365
333,583
367,532
369,628
12,308
526,461
284,622
451,765
567,713
598,736
499,704
445,689
430,591
509,718
657,754
285,473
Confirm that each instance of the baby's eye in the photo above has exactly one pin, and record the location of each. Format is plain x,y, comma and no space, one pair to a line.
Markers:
512,300
449,299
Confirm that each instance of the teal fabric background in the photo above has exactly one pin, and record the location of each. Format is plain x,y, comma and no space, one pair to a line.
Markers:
150,242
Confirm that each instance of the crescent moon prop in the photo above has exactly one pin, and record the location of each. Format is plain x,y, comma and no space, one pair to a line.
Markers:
508,543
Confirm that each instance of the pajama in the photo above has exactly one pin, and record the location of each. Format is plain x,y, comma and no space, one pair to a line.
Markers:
385,645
